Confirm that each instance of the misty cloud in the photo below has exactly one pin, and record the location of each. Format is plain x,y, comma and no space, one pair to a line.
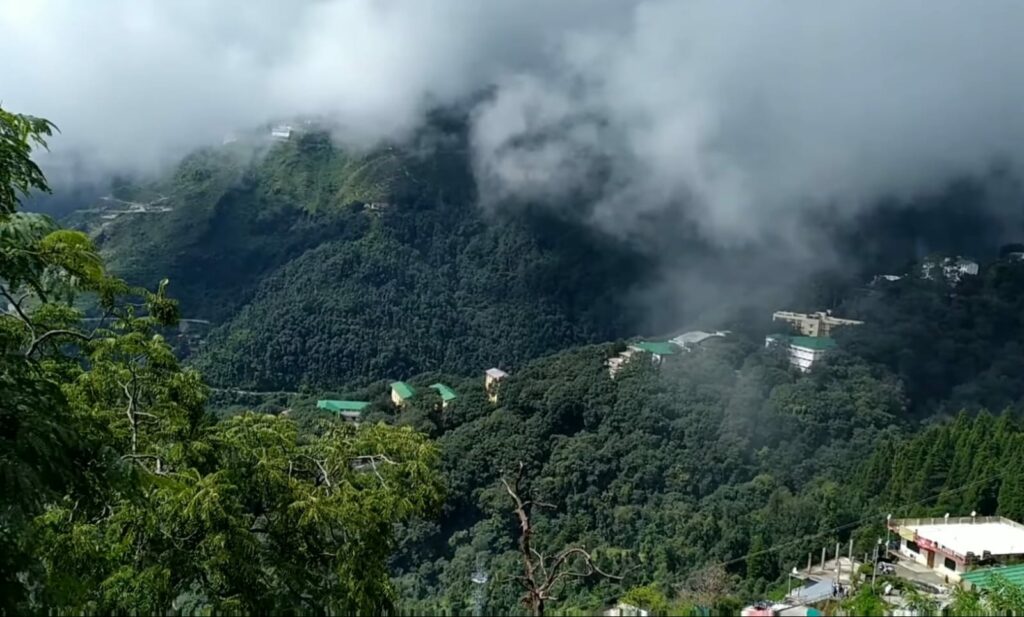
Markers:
742,117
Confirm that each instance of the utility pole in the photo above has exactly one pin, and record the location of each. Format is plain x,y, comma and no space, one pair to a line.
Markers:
874,571
809,557
888,519
850,557
823,559
838,568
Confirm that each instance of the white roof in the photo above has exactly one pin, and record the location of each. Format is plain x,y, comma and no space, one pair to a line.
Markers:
694,337
497,373
996,537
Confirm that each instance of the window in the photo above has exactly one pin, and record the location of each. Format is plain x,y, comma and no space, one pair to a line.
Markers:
950,564
912,546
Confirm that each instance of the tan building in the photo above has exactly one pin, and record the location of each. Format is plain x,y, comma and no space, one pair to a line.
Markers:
816,324
492,380
401,392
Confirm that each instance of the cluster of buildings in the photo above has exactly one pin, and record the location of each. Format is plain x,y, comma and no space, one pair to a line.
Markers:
814,339
930,555
958,549
402,393
657,351
951,268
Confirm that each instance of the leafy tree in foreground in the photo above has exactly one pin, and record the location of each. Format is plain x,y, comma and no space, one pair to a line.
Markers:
121,495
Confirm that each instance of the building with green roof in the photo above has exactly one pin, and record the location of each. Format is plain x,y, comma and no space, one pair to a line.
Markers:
447,394
349,410
987,578
401,392
658,348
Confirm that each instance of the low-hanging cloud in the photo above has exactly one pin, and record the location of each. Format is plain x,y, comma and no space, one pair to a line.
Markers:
745,117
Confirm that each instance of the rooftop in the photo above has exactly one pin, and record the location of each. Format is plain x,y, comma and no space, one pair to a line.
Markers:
695,337
982,578
447,394
661,348
812,342
998,536
403,389
336,406
496,373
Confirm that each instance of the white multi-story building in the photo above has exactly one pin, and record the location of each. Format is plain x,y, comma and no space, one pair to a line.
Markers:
804,351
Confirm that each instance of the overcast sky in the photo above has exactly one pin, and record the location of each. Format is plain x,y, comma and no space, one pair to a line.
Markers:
746,114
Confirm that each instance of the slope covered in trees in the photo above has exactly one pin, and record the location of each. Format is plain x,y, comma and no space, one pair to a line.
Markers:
327,268
722,464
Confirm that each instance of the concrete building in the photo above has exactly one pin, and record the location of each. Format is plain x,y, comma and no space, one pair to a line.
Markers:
804,351
888,278
952,268
688,341
821,323
282,132
657,349
401,392
954,546
492,382
616,363
623,609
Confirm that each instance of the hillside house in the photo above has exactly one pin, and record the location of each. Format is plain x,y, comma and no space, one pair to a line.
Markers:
401,392
282,132
447,394
492,382
821,323
887,278
953,269
657,349
688,341
623,609
954,547
616,363
351,411
803,351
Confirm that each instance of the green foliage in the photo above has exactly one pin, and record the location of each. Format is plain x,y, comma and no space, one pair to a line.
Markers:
120,494
866,602
313,287
647,597
19,174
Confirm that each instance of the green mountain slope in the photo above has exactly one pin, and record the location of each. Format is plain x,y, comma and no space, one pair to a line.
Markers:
325,268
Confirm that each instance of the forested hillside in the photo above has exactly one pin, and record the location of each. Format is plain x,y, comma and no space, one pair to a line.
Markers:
677,473
327,268
699,481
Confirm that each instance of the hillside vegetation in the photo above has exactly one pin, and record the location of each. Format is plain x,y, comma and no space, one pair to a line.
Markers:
326,269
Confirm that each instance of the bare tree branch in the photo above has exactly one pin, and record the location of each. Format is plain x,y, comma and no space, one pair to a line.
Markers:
17,308
538,593
42,338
